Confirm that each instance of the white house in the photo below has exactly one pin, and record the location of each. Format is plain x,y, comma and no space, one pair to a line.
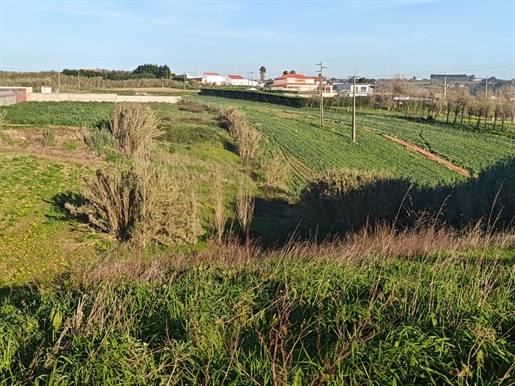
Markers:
300,84
238,80
347,89
212,78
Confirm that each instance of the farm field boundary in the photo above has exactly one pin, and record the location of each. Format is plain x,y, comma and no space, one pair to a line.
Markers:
424,153
91,97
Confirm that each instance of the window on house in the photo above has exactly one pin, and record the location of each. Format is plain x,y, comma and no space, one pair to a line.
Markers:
363,89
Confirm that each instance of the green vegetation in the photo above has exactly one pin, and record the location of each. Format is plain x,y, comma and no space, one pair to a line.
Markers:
251,295
355,319
89,114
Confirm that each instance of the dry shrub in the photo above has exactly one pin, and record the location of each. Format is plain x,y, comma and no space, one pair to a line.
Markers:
247,139
275,172
134,125
3,113
191,107
245,206
221,214
141,202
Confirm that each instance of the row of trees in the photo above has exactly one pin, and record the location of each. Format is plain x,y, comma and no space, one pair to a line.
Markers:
455,102
144,71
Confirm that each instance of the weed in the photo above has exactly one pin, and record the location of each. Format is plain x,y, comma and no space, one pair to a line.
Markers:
48,138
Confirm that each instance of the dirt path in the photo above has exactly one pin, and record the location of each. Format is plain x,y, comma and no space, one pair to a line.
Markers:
424,153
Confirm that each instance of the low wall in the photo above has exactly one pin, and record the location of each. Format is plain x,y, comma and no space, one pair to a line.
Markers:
59,97
11,96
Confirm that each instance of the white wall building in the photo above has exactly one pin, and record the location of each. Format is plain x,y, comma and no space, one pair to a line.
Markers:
347,89
212,78
238,80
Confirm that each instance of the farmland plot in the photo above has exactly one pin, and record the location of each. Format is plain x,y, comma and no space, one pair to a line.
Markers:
321,149
472,150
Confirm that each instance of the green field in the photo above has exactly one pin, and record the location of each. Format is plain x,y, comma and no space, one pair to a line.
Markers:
422,304
296,132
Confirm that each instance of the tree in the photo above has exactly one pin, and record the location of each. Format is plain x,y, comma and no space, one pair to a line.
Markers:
153,71
285,72
262,73
292,72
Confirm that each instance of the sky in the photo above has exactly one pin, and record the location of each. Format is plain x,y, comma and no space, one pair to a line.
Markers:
369,38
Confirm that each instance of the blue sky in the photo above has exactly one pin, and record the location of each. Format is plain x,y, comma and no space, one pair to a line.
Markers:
377,38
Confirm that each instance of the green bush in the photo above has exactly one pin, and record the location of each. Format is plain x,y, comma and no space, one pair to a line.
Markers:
255,96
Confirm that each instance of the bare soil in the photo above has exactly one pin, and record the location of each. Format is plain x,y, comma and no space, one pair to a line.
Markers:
65,145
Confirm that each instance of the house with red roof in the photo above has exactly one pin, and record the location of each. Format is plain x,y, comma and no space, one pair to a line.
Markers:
238,80
300,84
212,78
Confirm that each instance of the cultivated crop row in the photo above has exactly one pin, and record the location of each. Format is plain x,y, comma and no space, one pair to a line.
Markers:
321,149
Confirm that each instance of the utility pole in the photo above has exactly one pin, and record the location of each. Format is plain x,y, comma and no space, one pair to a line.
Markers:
251,76
321,93
184,80
354,106
78,77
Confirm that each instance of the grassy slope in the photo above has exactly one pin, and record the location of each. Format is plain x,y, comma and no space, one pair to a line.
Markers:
36,236
297,131
424,309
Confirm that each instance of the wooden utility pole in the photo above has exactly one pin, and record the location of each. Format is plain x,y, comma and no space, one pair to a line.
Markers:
321,93
78,77
354,106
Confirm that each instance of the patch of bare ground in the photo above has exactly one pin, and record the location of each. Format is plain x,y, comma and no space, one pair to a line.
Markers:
53,143
426,154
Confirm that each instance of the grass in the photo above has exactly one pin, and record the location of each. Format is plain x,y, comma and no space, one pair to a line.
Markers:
89,114
424,305
309,314
32,219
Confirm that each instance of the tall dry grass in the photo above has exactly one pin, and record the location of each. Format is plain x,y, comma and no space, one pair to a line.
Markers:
134,125
136,198
245,203
247,139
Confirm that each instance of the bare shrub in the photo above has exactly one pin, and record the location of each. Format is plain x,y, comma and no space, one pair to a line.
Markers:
111,200
220,210
245,206
275,172
134,125
247,139
141,202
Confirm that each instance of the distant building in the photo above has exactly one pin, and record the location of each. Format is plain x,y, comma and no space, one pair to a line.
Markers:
238,80
300,84
347,89
212,78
